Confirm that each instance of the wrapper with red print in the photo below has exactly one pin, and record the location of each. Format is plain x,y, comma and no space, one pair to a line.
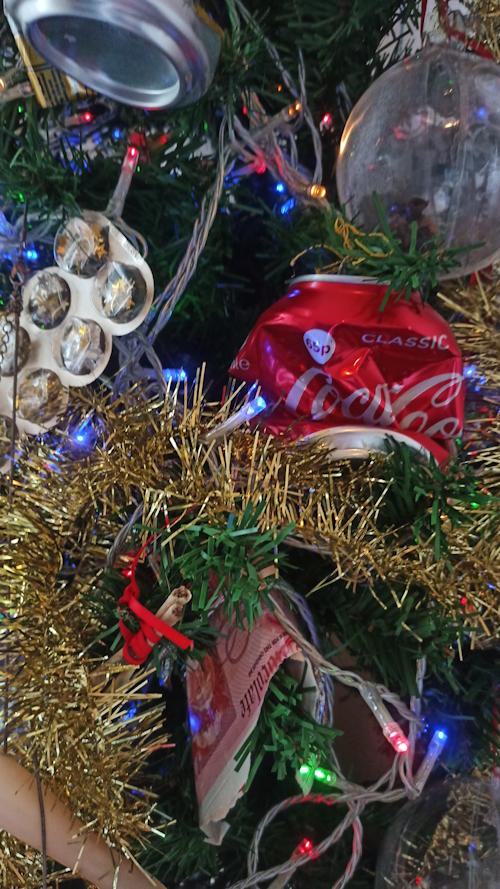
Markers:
226,692
328,359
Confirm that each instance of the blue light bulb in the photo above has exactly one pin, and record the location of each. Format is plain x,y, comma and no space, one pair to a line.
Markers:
280,187
85,435
194,723
175,374
287,206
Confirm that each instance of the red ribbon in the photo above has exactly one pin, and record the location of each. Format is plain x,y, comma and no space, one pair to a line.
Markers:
137,647
422,20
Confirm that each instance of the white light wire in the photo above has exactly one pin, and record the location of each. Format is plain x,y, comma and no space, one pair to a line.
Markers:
253,145
355,796
260,142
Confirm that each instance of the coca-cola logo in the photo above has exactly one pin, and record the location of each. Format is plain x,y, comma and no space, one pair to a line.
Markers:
320,344
418,408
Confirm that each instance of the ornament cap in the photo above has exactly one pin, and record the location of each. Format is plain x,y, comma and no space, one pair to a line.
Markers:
140,52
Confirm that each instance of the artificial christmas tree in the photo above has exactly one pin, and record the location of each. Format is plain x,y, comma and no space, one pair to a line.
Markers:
231,648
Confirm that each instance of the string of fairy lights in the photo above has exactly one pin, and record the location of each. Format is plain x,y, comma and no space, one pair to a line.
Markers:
255,144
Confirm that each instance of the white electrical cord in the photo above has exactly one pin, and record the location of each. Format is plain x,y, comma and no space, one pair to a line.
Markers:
256,145
353,795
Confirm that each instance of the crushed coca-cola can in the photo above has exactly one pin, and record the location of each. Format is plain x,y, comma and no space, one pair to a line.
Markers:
329,359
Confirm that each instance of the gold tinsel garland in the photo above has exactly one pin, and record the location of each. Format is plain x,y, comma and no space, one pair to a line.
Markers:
469,818
484,24
153,451
61,711
451,836
21,866
474,310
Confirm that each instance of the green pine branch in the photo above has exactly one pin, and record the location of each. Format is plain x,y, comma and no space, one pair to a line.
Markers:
432,498
311,236
285,731
232,559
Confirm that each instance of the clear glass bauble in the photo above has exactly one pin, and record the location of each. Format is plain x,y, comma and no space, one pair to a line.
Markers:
449,838
83,345
41,396
7,347
5,436
426,138
121,292
49,301
81,247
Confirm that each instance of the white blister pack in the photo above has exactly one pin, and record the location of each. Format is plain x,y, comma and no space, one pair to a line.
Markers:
101,287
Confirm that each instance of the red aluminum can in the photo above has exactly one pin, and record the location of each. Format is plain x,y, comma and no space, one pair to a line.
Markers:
330,360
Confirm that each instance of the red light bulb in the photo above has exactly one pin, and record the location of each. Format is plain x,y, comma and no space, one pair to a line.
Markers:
326,119
305,847
398,741
87,116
